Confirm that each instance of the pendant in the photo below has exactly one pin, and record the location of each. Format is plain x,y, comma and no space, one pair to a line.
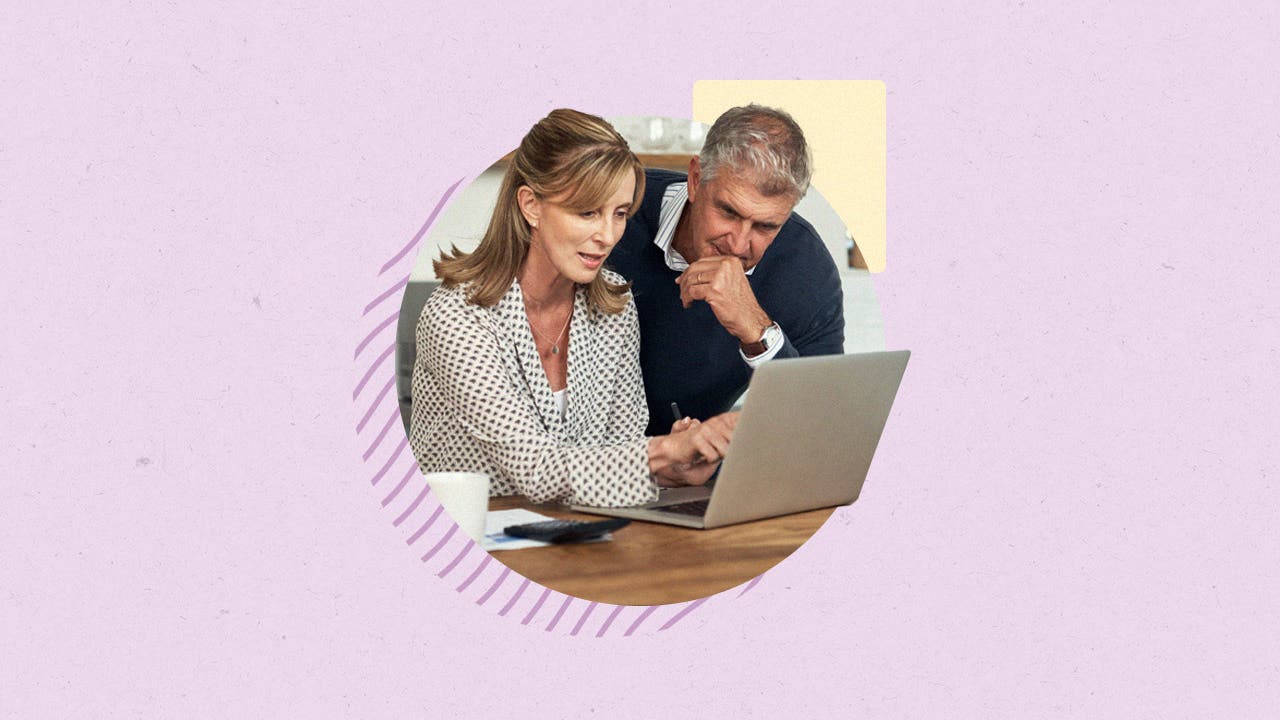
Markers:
555,349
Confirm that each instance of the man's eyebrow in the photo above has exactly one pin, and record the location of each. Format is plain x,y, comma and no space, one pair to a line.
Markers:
762,224
728,208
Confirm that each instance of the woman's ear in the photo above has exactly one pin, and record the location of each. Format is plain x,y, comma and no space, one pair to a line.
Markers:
530,205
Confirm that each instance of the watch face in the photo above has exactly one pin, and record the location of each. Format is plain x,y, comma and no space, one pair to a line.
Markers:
772,336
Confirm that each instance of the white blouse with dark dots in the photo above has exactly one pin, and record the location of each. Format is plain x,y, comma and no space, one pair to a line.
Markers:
482,403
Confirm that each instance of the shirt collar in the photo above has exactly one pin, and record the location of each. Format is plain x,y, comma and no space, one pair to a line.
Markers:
674,199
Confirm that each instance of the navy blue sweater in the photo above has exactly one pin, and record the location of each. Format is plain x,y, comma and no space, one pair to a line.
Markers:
686,355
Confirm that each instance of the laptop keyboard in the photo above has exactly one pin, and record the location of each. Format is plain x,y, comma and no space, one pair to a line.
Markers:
697,508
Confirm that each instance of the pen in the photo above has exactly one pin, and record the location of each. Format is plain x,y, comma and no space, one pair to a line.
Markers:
675,412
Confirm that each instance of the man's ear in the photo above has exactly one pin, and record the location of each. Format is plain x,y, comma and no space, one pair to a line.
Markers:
695,176
530,205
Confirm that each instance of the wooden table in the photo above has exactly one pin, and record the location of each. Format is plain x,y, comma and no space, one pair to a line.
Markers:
653,564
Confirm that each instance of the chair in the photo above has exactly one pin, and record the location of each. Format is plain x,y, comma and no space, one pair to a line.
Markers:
415,296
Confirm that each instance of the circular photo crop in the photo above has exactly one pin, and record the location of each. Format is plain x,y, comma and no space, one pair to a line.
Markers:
640,359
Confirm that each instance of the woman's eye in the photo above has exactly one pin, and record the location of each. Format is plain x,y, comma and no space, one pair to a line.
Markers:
588,214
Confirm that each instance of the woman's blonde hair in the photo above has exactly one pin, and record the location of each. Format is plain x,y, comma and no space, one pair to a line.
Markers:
567,153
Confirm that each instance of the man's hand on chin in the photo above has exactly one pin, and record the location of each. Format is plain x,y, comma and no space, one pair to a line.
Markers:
721,282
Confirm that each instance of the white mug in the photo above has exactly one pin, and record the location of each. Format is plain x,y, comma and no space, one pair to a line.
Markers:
465,496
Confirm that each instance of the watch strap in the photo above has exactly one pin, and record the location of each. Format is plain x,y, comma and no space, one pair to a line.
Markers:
762,345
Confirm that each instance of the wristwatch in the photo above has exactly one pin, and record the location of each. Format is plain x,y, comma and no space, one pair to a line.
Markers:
771,337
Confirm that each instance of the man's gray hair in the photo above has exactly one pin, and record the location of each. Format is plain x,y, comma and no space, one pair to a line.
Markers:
762,143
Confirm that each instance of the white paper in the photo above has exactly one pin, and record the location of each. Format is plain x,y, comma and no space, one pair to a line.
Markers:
496,520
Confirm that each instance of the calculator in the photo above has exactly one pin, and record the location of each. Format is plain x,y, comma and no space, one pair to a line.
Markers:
565,531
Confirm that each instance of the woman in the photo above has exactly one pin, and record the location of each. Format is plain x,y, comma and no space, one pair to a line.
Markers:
528,354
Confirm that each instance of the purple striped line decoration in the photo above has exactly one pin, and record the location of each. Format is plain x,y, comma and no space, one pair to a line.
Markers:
374,333
680,615
560,613
444,199
425,526
392,419
519,592
377,477
502,577
640,620
377,363
466,549
382,395
413,505
394,290
453,530
409,473
583,620
413,509
484,563
536,606
617,609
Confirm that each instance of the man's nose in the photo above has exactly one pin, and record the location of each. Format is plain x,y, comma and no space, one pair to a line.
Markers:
740,240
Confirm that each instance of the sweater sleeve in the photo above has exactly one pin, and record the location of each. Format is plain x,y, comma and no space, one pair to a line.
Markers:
820,331
824,335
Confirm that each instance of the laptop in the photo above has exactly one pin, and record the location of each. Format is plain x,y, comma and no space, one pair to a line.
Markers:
804,441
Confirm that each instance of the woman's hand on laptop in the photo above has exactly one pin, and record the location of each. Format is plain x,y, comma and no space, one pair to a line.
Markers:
686,445
709,439
693,450
681,475
718,431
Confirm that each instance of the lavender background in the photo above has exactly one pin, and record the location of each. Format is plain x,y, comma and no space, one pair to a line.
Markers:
1071,514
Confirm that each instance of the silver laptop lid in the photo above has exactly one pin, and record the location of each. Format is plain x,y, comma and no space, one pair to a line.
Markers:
806,435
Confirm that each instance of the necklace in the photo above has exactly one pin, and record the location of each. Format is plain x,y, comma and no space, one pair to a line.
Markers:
555,344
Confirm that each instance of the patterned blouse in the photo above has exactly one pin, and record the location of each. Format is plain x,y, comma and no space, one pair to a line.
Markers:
482,402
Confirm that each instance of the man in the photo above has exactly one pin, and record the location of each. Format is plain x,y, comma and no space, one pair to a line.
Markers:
725,277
